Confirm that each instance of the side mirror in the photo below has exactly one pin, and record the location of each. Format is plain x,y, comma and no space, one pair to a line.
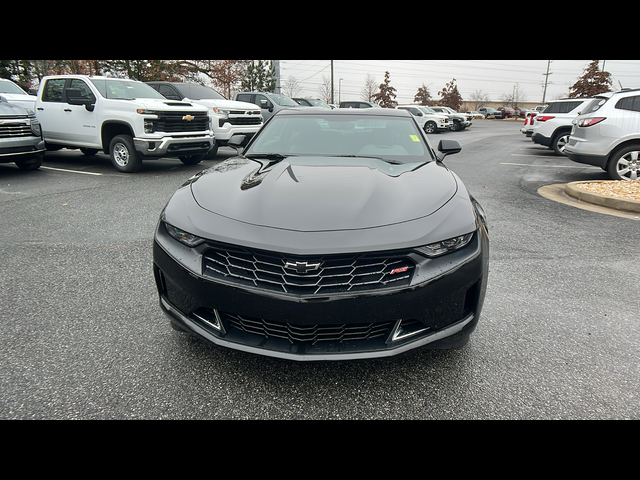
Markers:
237,141
74,97
448,147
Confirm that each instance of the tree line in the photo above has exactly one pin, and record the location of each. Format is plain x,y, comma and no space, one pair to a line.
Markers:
225,75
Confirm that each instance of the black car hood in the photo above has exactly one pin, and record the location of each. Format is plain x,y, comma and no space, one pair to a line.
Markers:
309,194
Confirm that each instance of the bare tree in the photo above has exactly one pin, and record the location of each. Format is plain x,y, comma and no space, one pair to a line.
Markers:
324,91
291,87
516,96
479,98
370,88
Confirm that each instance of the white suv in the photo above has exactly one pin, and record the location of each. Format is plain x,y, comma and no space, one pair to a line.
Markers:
430,121
552,127
607,134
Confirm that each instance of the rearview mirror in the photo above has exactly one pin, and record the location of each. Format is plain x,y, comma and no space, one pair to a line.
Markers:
74,97
237,141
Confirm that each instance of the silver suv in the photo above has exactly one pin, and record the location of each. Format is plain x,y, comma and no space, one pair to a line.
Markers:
552,127
607,134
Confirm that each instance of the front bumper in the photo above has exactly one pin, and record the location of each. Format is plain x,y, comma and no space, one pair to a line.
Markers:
19,147
438,309
174,146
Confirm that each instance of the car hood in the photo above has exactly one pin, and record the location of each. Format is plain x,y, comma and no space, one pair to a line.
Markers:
159,104
323,194
225,104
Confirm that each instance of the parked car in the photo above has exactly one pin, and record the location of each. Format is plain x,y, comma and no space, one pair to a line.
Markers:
310,102
359,104
20,136
430,121
16,95
488,112
228,117
607,134
521,112
527,128
334,235
270,103
475,114
505,112
460,120
553,127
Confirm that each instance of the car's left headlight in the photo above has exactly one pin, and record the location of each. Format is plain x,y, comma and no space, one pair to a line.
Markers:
183,237
445,246
35,127
221,111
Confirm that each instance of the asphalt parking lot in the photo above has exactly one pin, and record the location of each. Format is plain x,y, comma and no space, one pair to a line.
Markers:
84,337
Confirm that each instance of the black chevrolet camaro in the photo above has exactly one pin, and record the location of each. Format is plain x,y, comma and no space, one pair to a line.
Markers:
333,235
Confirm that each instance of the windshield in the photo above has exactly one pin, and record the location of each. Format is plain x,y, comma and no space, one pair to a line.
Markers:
283,101
10,87
124,89
427,110
392,139
199,92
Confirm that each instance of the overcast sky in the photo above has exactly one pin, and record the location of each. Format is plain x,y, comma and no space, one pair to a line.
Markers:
492,77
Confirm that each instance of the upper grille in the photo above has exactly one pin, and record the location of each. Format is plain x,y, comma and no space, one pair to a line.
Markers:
174,122
11,130
309,275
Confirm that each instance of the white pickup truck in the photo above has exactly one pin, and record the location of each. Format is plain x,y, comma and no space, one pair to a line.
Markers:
125,119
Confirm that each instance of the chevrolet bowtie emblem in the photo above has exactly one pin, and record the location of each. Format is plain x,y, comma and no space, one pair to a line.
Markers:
188,118
302,267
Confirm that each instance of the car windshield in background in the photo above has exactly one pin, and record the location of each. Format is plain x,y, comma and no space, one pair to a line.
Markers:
283,100
199,92
8,87
394,140
125,89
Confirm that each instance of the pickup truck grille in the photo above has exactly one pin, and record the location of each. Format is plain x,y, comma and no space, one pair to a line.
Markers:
178,122
15,128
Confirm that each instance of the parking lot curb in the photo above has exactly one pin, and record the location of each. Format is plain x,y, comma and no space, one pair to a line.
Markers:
574,191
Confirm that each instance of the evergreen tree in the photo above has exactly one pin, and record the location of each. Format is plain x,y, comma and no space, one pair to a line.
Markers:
260,76
386,94
592,82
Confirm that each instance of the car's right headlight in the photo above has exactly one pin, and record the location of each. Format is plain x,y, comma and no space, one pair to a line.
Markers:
183,237
445,246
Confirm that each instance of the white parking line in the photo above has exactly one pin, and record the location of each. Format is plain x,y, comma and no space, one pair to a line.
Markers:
70,171
545,166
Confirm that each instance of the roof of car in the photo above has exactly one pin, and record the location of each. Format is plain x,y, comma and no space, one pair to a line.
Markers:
386,112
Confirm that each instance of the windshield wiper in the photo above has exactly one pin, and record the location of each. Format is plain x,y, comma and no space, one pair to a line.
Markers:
268,156
392,162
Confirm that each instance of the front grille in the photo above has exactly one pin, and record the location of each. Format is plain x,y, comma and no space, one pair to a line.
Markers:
311,334
241,121
12,130
175,122
308,275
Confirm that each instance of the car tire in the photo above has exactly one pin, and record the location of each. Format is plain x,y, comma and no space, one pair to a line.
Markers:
191,159
624,164
212,153
89,151
559,141
123,154
455,127
32,163
430,127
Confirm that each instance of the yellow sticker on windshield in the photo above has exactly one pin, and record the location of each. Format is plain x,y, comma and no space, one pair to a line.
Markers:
415,138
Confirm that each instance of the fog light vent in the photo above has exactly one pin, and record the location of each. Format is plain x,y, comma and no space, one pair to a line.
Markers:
210,317
404,329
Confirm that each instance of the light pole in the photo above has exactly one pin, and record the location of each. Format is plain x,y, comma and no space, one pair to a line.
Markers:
339,90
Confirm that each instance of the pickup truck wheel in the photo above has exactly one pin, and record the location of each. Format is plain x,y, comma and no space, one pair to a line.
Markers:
560,141
191,159
430,127
123,154
455,127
